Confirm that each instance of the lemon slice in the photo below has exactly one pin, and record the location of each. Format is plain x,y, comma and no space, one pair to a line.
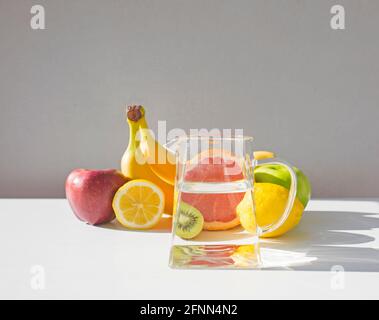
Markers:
138,204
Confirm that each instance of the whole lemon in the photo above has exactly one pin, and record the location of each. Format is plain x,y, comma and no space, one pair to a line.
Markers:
270,201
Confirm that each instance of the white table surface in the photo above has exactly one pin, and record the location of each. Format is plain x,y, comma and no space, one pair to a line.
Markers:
41,240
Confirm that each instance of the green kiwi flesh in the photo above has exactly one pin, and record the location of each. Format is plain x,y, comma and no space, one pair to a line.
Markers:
189,222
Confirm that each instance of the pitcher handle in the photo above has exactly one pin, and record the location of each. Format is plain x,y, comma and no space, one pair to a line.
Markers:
291,197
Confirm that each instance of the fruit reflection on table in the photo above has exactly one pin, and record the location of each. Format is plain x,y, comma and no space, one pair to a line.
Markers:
218,256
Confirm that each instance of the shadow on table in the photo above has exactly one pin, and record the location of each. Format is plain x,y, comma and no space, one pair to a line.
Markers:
332,239
322,240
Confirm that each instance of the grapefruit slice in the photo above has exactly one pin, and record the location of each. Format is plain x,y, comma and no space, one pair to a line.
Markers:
218,210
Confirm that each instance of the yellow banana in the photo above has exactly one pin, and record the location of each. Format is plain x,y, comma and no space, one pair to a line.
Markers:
134,163
160,159
260,155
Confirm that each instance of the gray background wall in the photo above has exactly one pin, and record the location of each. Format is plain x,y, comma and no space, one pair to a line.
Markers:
274,68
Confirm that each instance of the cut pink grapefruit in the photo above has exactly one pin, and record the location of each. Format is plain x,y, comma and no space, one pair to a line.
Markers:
218,209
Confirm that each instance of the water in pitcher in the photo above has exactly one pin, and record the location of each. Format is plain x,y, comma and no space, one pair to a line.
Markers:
214,225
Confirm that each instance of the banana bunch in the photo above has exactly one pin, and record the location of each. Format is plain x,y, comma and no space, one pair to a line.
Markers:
145,158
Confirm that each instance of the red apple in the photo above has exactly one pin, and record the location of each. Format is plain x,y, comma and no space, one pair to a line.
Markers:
90,193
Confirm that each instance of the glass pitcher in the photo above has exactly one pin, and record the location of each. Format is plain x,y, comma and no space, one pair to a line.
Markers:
214,224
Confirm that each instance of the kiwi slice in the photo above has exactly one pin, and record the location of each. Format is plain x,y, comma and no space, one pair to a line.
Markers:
189,222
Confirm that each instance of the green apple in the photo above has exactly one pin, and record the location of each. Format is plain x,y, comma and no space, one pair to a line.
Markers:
278,174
